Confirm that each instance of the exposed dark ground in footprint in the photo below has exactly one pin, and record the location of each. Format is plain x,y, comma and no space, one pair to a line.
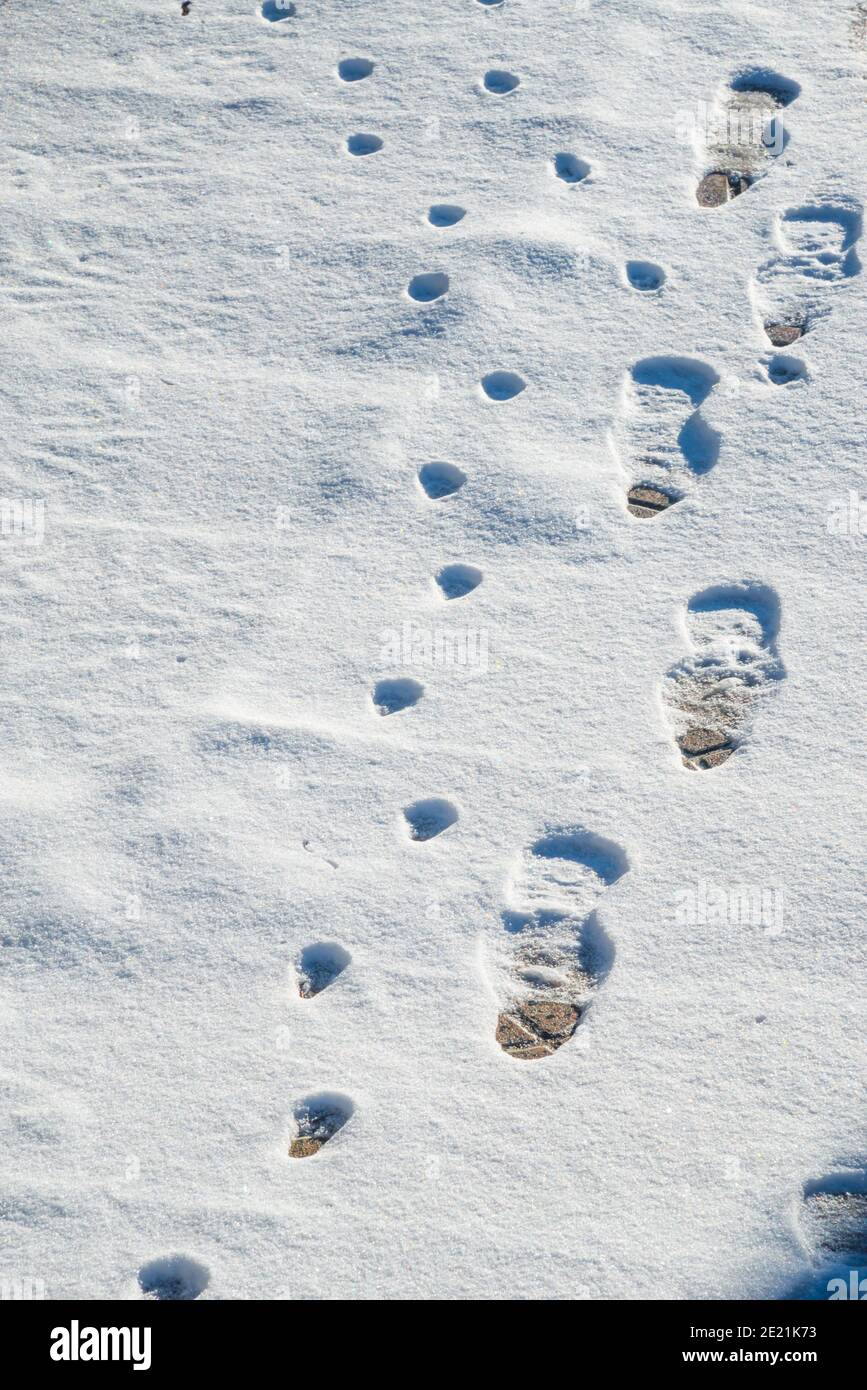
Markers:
362,144
748,134
818,253
456,581
712,694
667,443
173,1278
275,10
316,1120
499,82
836,1216
319,966
439,480
354,69
644,276
445,214
559,954
430,817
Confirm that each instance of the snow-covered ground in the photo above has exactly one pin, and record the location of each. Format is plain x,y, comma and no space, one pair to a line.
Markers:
217,393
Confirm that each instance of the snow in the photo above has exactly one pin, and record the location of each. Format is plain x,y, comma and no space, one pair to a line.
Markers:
217,381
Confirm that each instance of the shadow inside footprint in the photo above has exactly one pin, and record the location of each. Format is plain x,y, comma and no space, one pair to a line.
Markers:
275,10
317,1119
782,371
427,288
393,695
560,952
746,134
570,169
834,1216
354,69
428,818
502,386
173,1278
440,480
833,1220
733,631
362,144
456,581
319,966
445,214
499,82
644,276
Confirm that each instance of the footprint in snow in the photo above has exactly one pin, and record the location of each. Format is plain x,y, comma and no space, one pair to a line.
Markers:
556,955
428,288
363,144
666,443
570,169
782,370
816,257
426,819
712,695
316,1120
744,133
499,82
445,214
644,276
393,695
173,1278
439,480
319,966
354,69
276,10
456,581
502,386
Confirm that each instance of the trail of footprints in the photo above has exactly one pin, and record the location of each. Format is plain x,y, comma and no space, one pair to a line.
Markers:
713,694
743,133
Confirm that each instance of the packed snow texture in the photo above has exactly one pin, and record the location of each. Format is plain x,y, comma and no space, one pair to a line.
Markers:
318,333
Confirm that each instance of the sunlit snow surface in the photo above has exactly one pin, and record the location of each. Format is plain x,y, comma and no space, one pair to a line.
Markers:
218,572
